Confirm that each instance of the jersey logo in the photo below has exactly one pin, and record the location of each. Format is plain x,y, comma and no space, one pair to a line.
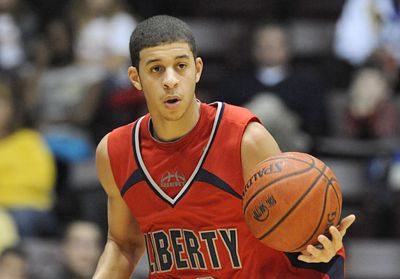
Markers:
185,249
172,179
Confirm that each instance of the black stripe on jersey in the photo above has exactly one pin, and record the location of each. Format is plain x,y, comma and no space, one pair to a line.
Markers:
133,179
335,268
205,176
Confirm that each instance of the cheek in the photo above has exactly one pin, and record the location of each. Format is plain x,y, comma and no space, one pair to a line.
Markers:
150,88
150,94
150,83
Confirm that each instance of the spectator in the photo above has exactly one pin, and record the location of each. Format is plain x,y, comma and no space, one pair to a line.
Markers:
81,246
102,28
27,172
370,29
12,52
18,31
371,112
13,264
281,122
63,94
273,73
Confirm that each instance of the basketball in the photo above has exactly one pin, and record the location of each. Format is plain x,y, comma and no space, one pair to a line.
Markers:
290,200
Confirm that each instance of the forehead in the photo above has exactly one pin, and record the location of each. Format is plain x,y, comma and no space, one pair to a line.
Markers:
271,35
82,230
165,52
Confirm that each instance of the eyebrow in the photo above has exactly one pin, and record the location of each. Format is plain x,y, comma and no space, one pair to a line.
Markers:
185,56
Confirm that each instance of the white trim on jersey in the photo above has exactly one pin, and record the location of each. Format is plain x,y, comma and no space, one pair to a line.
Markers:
192,176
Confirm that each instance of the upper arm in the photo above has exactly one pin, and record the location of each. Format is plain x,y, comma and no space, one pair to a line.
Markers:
257,145
122,227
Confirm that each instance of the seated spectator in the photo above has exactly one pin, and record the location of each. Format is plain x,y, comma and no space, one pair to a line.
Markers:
119,104
103,29
12,53
13,264
371,112
281,122
61,96
81,245
273,73
27,172
365,26
370,29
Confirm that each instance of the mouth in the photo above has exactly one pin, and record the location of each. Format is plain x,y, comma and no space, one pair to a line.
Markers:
172,102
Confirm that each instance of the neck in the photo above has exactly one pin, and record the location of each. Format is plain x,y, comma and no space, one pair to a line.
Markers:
168,131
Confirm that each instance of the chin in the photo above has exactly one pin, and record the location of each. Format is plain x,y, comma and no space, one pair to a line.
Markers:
173,117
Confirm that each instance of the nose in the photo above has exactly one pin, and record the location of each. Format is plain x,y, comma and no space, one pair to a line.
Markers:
170,80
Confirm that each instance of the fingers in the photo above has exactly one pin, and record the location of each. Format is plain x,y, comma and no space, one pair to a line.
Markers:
337,239
305,253
319,253
346,223
306,259
326,243
314,251
327,248
313,254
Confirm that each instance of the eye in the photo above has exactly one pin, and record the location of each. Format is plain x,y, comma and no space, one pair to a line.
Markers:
156,69
182,66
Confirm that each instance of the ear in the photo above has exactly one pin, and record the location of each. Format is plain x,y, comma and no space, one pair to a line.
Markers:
133,75
199,68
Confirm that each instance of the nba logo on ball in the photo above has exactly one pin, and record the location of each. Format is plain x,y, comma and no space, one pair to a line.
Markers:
290,199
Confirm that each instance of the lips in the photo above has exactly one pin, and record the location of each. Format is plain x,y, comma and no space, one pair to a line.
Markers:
172,102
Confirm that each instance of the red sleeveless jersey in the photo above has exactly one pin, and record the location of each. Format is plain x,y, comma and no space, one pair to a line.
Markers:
186,197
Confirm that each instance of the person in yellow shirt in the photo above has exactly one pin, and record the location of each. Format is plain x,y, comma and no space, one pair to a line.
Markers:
27,172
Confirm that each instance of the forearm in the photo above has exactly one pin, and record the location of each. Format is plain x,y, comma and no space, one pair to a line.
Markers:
117,262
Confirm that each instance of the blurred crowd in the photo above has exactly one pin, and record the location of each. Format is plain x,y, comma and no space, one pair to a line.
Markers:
63,86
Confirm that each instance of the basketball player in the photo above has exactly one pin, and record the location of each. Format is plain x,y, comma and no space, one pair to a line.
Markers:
174,177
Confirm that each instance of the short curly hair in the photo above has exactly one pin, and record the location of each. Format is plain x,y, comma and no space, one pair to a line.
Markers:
158,30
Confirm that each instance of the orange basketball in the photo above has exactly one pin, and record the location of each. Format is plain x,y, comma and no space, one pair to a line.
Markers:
290,199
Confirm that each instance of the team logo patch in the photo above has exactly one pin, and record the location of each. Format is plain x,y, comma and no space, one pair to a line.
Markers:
172,179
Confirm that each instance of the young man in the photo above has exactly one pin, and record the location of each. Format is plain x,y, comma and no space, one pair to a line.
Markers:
174,177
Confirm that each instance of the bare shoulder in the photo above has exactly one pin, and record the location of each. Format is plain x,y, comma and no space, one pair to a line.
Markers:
257,145
104,168
101,150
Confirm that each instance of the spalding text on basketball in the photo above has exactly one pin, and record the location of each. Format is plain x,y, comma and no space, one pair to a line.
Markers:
271,168
261,211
